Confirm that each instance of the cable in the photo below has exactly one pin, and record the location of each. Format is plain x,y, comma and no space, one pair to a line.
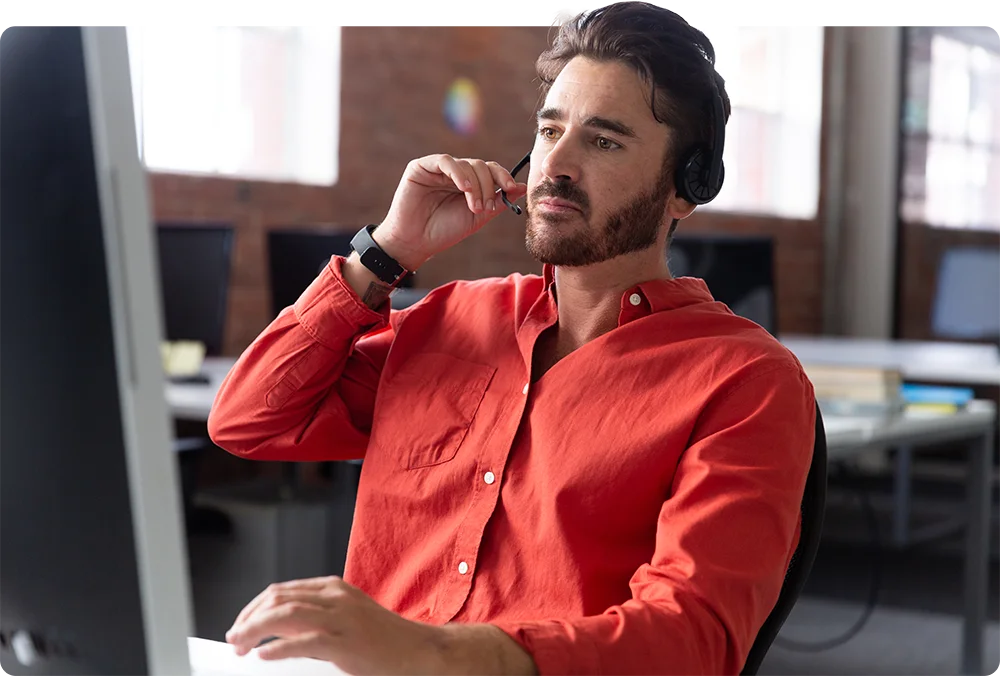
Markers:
873,589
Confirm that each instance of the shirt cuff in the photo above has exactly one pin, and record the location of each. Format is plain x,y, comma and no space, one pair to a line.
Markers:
555,646
332,313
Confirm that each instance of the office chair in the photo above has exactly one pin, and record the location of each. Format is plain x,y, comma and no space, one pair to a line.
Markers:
813,507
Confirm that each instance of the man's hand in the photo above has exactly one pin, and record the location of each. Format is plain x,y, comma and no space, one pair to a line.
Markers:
329,619
440,201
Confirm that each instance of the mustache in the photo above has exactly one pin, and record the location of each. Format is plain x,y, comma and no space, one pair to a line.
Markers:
562,190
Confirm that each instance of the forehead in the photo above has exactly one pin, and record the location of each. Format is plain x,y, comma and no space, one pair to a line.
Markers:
611,89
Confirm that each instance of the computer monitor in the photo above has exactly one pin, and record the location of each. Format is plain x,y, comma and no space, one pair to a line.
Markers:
295,258
194,281
93,569
738,270
967,298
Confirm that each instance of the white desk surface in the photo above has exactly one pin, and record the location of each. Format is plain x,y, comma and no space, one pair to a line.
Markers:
213,658
958,363
846,435
194,401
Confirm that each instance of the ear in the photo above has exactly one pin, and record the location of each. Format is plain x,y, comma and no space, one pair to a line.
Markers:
678,207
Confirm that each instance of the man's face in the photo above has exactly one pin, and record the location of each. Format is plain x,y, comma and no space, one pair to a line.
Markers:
598,186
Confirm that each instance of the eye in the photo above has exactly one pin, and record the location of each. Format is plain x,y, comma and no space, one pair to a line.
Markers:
547,133
606,144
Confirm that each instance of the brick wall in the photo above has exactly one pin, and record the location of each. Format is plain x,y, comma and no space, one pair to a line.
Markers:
393,85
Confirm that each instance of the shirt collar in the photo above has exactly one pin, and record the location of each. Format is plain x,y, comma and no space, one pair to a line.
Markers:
660,294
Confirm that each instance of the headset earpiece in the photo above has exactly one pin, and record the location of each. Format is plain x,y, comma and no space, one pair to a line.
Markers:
693,177
700,173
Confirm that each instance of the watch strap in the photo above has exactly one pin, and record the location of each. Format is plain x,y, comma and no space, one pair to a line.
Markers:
385,267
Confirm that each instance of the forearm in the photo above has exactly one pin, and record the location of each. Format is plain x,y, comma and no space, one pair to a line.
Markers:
482,649
273,390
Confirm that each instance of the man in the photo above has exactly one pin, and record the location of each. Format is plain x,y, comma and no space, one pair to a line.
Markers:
594,470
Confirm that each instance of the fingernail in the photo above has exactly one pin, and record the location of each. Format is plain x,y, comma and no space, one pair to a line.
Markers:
479,205
491,205
468,184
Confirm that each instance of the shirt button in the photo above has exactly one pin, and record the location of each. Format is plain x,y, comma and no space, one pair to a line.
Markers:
489,477
635,299
525,390
463,568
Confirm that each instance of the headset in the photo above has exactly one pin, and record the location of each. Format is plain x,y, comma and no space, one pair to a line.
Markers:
699,176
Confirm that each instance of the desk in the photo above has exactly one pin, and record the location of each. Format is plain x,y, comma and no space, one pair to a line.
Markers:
194,401
957,363
850,436
213,658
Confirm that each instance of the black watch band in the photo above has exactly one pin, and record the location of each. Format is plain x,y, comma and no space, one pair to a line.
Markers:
372,257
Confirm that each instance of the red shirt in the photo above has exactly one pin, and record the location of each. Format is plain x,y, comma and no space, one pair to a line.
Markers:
633,511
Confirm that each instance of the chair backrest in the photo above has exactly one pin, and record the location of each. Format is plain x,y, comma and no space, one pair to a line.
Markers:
813,507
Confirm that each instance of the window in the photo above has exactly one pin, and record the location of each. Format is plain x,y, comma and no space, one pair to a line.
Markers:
951,129
258,103
774,78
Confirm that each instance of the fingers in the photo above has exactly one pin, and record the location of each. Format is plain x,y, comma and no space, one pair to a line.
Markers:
484,177
463,176
501,176
312,644
286,620
480,181
275,593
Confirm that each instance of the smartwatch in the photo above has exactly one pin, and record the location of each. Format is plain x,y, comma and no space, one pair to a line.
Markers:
372,257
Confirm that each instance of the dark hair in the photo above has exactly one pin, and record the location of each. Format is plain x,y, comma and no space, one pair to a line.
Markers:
676,61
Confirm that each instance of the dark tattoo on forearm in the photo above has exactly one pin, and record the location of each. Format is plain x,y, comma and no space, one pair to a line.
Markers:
376,295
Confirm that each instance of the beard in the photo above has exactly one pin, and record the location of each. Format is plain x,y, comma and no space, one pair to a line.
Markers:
629,228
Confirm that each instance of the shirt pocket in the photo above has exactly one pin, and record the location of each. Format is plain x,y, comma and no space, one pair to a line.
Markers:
427,407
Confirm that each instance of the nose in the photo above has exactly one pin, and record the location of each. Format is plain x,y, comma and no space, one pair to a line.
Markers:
560,162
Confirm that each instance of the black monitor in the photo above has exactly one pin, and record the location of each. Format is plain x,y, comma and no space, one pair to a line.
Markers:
194,265
93,576
739,271
295,258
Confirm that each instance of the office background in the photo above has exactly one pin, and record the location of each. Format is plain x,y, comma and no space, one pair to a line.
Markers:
868,157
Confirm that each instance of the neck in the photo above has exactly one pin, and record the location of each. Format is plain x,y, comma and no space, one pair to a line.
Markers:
589,297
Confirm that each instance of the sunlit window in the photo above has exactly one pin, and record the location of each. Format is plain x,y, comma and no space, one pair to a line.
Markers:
774,77
258,103
951,134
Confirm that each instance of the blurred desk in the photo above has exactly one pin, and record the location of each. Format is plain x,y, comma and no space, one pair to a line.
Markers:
850,436
957,363
194,401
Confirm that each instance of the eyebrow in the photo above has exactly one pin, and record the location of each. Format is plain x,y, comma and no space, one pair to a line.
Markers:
596,121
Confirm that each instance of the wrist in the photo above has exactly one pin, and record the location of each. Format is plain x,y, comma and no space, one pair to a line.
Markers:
482,649
405,255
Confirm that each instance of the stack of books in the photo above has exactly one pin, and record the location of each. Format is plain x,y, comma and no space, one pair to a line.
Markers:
871,391
934,399
857,390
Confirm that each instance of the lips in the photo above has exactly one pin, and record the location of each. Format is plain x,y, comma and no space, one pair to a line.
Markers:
556,204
